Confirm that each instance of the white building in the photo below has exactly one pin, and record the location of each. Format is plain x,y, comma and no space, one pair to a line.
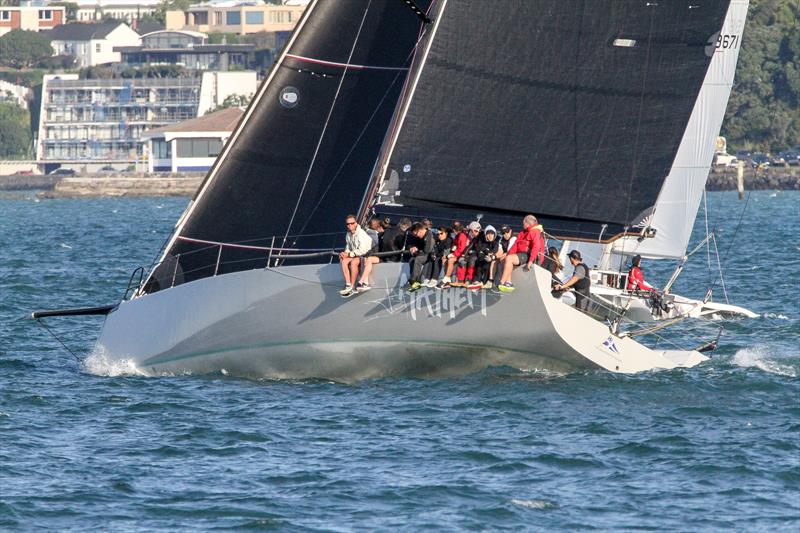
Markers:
193,145
92,43
102,121
127,10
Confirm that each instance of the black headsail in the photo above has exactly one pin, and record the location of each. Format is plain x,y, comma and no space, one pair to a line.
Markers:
571,109
304,152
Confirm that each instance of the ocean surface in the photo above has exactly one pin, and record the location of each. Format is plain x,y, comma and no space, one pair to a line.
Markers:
87,446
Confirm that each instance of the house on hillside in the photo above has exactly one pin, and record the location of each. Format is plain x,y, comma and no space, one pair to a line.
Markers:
92,43
30,17
192,145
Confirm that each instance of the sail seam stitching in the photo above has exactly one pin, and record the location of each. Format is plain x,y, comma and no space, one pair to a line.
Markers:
347,65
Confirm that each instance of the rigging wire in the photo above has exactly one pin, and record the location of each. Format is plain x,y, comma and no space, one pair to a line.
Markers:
718,277
325,126
41,323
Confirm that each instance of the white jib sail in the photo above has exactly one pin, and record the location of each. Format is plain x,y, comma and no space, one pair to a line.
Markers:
679,199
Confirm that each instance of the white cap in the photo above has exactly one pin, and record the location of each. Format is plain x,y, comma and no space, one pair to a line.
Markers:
474,225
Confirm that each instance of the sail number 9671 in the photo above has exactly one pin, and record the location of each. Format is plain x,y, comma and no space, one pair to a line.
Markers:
727,41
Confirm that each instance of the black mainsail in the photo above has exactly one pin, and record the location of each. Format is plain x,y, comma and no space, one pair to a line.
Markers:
572,110
306,148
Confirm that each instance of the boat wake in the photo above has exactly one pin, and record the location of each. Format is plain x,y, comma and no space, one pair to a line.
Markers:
760,357
99,364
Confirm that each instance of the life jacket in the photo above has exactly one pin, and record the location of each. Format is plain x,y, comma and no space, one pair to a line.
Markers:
582,285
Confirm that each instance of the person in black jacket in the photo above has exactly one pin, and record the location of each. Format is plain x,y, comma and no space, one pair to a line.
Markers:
390,240
421,254
481,257
394,239
441,248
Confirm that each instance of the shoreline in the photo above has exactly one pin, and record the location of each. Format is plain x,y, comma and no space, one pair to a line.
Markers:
143,185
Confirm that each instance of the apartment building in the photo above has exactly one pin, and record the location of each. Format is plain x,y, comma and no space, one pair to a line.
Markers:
231,16
30,17
103,121
92,43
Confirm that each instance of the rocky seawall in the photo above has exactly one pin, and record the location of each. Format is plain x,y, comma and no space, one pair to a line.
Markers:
777,178
123,186
780,178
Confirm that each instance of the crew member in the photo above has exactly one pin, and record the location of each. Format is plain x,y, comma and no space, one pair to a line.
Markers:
421,252
636,277
580,281
528,248
357,244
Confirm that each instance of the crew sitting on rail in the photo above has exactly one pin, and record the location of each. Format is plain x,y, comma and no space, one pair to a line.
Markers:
636,280
357,245
392,239
467,258
460,242
375,231
422,251
529,247
482,259
441,249
552,263
580,280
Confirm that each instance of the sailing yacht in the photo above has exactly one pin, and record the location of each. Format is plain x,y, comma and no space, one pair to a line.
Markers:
579,112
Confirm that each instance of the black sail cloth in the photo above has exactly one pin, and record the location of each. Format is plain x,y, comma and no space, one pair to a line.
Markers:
261,186
570,110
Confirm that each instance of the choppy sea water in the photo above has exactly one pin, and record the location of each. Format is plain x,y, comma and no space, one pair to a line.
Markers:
85,445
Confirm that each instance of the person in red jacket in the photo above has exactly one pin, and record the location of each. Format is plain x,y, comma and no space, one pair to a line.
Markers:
528,248
461,241
636,277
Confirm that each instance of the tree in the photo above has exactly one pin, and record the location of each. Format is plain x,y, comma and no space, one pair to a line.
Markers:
22,49
234,100
15,132
764,108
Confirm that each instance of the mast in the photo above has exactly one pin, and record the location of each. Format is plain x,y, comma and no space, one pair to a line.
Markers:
402,110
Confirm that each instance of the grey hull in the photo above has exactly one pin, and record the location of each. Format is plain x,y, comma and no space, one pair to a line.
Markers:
291,322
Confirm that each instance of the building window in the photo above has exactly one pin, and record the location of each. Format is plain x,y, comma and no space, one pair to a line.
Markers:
280,17
162,149
232,18
218,18
98,47
5,15
45,14
254,17
199,147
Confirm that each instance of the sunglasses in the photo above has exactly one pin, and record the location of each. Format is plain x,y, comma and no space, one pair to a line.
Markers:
351,223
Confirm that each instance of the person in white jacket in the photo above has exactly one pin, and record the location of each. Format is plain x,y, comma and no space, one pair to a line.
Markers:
357,244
